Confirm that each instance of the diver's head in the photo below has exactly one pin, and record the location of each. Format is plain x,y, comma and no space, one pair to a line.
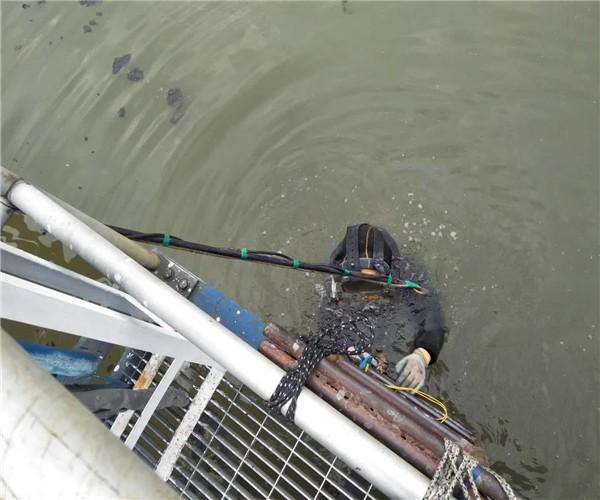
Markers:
368,249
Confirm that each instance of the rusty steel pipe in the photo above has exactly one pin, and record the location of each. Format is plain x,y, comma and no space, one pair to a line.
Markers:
332,391
397,411
340,381
404,406
413,402
487,484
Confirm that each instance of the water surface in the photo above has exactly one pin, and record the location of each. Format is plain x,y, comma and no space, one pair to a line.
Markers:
470,131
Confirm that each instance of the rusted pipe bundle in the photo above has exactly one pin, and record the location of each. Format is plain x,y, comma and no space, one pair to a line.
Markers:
406,424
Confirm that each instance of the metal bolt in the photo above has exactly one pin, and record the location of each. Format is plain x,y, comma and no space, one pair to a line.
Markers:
183,284
168,273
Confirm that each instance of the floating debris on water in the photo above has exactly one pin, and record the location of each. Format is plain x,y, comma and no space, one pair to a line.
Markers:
87,28
120,62
135,75
88,3
92,22
121,113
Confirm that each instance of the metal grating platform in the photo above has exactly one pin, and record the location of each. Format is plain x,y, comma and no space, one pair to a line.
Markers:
237,450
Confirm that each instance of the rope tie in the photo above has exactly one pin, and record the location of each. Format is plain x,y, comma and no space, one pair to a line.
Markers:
459,469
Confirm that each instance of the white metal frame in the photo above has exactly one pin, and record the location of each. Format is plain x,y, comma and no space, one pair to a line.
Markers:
392,475
183,432
33,304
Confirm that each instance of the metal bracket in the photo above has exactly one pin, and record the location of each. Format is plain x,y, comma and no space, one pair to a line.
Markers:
105,402
176,276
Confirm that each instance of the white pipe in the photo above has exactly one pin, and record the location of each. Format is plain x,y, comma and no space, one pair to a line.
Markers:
5,212
136,251
53,447
378,464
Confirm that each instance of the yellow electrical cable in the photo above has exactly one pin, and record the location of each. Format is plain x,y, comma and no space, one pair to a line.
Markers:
425,396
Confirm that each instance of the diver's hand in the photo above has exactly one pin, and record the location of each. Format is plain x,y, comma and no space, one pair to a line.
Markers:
412,369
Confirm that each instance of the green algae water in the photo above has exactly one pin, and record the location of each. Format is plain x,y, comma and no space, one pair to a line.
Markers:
468,130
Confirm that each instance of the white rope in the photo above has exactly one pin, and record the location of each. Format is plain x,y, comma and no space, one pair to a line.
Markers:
456,469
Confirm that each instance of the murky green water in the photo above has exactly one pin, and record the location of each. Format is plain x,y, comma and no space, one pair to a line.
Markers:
469,130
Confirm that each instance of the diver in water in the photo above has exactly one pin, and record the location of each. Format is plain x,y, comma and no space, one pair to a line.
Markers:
360,317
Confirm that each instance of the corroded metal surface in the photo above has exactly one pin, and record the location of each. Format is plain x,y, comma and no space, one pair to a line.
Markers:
404,423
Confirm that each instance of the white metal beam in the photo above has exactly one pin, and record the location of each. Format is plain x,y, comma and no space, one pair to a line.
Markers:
32,268
152,404
34,304
143,382
189,421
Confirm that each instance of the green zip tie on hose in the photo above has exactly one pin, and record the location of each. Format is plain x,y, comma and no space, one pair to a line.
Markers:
390,279
411,284
166,240
346,272
244,253
296,263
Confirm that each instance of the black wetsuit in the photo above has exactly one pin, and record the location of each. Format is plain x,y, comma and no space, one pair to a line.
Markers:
366,316
403,320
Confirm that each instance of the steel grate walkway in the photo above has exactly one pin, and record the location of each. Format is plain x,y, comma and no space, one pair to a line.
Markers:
237,450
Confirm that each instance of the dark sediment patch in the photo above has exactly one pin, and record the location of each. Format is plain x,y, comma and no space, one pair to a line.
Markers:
88,3
92,22
177,115
135,75
87,28
121,113
175,100
175,97
120,62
